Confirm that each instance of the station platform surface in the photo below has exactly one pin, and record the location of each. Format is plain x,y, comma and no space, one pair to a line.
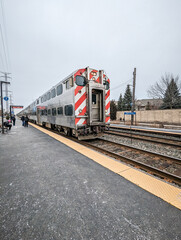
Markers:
51,191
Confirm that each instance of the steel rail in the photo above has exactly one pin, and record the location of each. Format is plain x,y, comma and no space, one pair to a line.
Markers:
157,172
162,141
148,131
167,158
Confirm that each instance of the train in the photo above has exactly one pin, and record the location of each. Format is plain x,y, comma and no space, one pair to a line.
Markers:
79,105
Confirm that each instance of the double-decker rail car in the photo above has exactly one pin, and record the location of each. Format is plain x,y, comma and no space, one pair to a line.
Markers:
79,105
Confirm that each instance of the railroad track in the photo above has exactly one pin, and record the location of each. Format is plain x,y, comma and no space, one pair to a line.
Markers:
147,132
149,138
153,163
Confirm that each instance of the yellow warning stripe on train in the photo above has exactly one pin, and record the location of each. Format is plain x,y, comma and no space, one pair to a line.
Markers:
161,189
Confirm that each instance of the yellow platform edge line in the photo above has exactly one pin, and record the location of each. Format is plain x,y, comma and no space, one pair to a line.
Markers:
161,189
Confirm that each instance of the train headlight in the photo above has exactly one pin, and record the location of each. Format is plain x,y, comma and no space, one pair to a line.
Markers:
106,111
80,110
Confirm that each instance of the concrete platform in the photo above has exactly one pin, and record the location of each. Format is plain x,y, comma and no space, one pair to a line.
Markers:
50,191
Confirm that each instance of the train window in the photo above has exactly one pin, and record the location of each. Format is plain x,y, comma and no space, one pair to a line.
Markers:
69,83
44,98
93,98
106,85
54,112
59,89
60,110
68,110
45,112
37,102
53,93
49,111
80,81
41,99
42,112
48,96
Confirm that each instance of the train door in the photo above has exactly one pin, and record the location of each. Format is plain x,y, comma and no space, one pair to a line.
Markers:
97,106
38,115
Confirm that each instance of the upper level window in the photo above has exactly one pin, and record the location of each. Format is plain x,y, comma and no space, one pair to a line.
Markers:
68,110
80,80
53,93
69,83
41,99
48,96
37,101
44,98
59,89
60,110
54,112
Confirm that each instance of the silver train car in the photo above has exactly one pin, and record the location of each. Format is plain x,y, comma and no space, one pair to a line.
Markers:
79,105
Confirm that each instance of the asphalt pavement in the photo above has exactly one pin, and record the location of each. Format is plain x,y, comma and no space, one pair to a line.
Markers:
49,191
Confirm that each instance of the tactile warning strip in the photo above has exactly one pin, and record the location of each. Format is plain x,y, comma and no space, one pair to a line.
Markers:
161,189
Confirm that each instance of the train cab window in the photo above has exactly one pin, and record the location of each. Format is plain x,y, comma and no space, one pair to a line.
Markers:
49,111
54,112
60,110
93,98
80,80
59,89
53,93
68,110
37,102
41,99
106,85
48,96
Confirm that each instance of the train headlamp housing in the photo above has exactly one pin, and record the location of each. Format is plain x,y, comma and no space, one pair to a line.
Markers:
80,110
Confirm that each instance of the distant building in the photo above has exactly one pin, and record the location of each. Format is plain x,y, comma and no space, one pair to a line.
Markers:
147,104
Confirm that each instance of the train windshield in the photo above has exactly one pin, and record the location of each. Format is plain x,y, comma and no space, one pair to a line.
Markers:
81,81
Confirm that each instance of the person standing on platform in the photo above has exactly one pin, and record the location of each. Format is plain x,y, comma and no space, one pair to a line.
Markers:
14,120
23,120
26,121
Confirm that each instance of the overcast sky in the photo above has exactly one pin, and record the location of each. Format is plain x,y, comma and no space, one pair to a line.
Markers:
49,39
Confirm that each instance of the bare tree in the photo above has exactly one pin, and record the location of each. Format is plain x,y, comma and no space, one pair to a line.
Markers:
159,88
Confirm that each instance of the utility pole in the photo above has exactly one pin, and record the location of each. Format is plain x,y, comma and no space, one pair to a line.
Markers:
133,97
2,115
6,88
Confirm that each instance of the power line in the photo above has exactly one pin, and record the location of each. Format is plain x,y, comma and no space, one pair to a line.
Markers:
4,47
2,60
116,87
5,32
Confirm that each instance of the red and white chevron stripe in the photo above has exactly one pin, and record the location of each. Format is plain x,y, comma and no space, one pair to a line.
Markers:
107,103
80,101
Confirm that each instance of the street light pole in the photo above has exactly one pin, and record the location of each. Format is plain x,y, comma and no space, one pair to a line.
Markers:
2,104
133,97
6,87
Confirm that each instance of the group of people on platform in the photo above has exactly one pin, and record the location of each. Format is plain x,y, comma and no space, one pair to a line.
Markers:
25,120
8,122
